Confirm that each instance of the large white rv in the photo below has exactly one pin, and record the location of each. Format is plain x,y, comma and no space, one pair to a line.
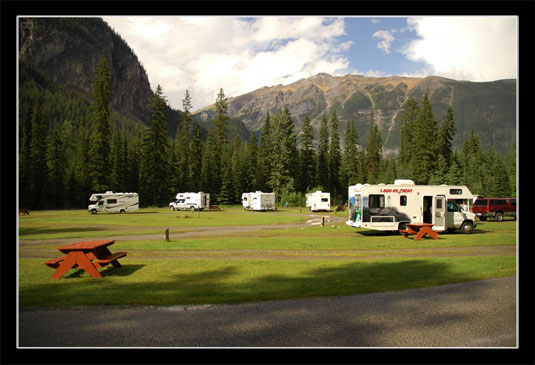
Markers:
318,201
258,201
110,202
388,207
191,201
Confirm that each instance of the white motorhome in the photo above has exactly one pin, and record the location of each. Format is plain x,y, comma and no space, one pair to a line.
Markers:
318,201
258,201
388,207
191,201
110,202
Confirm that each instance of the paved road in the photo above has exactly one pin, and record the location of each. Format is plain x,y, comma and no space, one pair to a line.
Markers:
474,314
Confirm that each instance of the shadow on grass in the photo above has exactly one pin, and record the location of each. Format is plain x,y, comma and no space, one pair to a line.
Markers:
227,285
125,270
45,230
373,233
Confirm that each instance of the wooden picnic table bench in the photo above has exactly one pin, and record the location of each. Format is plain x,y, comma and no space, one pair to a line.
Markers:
87,255
420,230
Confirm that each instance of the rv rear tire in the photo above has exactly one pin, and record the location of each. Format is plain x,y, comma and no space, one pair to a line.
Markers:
93,211
192,209
172,208
121,211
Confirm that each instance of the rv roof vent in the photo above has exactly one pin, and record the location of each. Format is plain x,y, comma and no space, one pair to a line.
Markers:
319,191
109,192
444,185
381,184
404,182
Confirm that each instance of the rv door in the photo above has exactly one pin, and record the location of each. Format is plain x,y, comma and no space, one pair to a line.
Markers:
439,213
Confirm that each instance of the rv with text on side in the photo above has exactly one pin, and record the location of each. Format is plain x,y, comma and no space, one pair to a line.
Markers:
110,202
258,201
191,201
318,201
389,207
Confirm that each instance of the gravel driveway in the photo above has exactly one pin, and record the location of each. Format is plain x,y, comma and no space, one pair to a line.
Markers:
475,314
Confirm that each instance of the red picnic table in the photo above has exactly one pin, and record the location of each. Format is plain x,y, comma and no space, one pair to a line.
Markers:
87,255
420,230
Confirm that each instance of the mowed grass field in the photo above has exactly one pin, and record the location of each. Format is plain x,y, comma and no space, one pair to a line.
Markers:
283,258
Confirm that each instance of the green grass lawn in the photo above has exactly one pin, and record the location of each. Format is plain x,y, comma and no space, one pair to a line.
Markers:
80,223
338,260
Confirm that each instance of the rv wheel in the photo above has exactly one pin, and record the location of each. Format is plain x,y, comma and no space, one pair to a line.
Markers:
93,211
172,208
467,227
192,209
121,211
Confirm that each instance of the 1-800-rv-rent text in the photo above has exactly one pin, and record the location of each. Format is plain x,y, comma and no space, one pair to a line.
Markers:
389,207
110,202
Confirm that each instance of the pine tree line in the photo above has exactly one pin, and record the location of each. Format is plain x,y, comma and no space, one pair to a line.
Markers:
69,149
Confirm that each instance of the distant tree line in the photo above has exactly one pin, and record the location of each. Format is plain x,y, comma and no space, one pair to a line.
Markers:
70,148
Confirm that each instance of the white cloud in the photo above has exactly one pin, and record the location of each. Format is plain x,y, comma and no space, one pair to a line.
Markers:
204,54
387,40
466,48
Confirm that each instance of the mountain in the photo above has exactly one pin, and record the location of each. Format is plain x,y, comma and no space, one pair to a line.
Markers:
487,107
67,50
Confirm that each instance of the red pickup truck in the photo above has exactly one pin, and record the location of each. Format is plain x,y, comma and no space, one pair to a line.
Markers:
497,208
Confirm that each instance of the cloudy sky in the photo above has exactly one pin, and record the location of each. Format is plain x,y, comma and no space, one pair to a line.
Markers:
242,54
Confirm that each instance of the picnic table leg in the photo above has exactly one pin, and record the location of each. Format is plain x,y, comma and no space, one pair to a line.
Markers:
420,234
65,266
84,263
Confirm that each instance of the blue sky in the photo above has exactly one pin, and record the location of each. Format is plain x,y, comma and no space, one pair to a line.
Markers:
205,53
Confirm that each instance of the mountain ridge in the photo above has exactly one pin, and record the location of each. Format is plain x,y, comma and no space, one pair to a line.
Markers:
355,96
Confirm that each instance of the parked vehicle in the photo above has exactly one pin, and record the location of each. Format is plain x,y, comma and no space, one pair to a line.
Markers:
496,208
191,201
318,201
258,201
389,207
110,202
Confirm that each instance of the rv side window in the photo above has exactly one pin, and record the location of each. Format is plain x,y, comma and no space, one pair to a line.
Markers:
377,201
325,200
456,191
403,200
111,201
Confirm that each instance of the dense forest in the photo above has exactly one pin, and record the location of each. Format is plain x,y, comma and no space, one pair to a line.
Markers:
71,146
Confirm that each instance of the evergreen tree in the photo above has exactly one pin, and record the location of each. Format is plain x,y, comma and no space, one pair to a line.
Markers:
408,118
322,169
425,149
264,157
439,174
221,140
226,191
155,148
335,158
209,180
497,178
510,165
446,132
99,156
454,175
307,159
252,163
351,157
37,169
283,146
473,165
374,150
196,158
55,161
